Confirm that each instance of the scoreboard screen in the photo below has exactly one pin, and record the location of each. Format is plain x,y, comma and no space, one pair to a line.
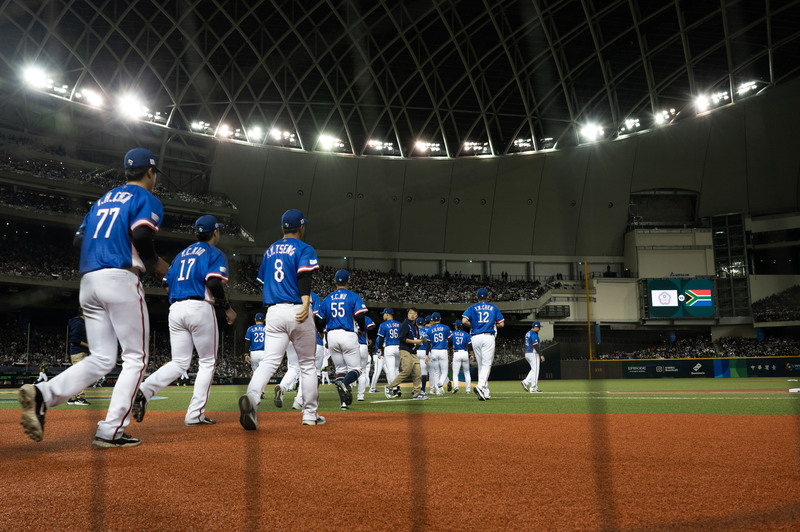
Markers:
681,298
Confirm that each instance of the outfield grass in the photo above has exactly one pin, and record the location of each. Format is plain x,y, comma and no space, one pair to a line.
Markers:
624,396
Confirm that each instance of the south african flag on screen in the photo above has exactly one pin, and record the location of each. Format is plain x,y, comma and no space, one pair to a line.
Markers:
698,298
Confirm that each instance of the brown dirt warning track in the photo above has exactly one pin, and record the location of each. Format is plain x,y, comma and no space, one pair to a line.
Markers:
369,471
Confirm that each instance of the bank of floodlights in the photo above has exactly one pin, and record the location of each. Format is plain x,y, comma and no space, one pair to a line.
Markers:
592,132
665,116
330,143
631,125
428,147
477,148
380,147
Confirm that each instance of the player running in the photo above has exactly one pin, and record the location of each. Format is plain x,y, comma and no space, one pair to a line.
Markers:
286,272
195,284
116,239
483,318
460,341
534,357
438,335
340,313
386,349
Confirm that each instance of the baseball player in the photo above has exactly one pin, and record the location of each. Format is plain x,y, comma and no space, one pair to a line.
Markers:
483,318
409,341
78,350
340,312
195,284
534,357
438,337
286,272
42,375
254,340
460,341
386,349
363,349
424,357
116,239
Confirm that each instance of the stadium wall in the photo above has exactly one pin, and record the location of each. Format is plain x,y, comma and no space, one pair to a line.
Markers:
569,203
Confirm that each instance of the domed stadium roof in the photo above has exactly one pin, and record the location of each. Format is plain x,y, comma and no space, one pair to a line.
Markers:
410,77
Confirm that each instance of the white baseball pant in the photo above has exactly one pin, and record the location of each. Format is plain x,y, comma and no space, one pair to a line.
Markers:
438,361
345,353
461,362
292,374
532,379
255,358
364,377
192,325
378,365
391,361
281,328
483,347
115,310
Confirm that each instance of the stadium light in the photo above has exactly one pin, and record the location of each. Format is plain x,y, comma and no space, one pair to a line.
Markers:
702,103
255,134
327,142
35,77
746,87
130,106
592,132
432,147
630,125
665,116
476,147
91,97
224,131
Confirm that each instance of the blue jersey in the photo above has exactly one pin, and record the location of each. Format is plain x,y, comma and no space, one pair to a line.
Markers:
460,340
368,325
255,335
107,227
316,303
192,268
423,333
282,261
340,308
531,342
388,333
438,335
483,316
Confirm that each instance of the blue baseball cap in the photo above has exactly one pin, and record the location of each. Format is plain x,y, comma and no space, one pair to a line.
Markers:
436,316
536,324
427,319
420,320
206,224
293,219
342,276
457,324
483,293
260,316
388,310
140,158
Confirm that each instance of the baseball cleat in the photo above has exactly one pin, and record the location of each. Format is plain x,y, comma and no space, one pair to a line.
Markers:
123,441
388,392
344,406
420,397
278,399
524,385
479,393
319,421
455,390
139,406
345,394
247,415
536,390
33,410
360,398
297,405
204,421
449,386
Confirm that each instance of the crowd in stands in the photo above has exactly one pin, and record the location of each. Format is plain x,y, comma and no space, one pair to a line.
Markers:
378,286
727,347
783,306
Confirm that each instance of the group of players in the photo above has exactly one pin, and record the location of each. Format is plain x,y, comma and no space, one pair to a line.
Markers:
116,240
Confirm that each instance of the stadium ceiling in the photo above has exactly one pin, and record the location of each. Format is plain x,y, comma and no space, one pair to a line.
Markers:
473,77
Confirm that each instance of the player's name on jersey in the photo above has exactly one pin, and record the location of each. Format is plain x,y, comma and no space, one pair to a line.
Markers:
340,295
281,249
193,251
119,197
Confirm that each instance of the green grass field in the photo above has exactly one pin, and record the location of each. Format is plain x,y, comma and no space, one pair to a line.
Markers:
759,396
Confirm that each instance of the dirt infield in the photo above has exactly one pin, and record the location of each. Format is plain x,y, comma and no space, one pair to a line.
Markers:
408,472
